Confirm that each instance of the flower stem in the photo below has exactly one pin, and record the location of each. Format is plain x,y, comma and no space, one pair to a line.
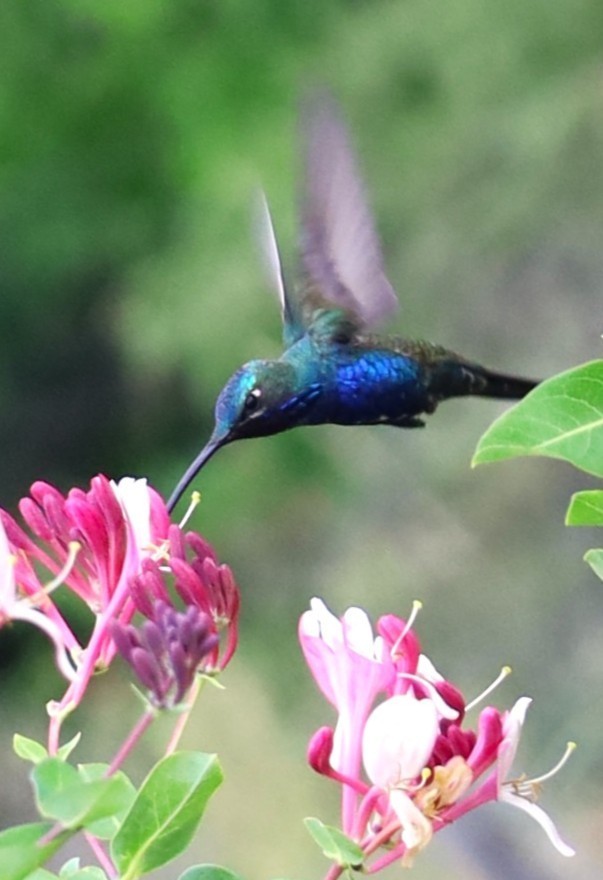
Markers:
183,718
130,741
101,856
76,690
382,837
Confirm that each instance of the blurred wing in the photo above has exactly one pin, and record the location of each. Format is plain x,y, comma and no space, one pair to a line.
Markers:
271,259
341,253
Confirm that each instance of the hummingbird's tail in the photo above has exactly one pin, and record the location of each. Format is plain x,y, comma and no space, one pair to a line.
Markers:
501,385
460,378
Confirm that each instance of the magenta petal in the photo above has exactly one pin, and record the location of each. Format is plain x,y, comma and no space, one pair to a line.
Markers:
489,737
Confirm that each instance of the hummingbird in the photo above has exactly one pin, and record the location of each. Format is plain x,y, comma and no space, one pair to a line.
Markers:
335,368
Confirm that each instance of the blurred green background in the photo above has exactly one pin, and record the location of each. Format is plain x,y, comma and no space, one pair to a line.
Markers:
133,137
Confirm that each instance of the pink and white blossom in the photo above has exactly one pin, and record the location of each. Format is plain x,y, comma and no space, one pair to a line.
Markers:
407,761
111,546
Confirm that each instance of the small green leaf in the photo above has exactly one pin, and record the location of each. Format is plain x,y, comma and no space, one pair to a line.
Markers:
166,812
595,560
29,749
335,844
561,418
62,794
65,750
208,872
21,852
71,871
91,872
585,509
70,866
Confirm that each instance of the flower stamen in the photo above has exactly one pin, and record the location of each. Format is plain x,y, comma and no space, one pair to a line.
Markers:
61,577
413,787
530,788
195,500
416,607
505,672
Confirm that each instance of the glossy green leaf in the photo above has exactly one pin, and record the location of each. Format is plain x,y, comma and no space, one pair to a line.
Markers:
561,418
20,851
29,749
208,872
585,509
335,844
166,812
64,795
595,560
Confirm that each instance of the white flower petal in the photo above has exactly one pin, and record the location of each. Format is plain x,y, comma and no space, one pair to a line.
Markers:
135,502
398,739
359,632
416,828
426,669
512,727
329,626
543,819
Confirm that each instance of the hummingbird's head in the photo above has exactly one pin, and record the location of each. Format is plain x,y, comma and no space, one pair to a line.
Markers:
253,403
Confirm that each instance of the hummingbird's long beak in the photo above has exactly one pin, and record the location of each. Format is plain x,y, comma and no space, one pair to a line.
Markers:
212,445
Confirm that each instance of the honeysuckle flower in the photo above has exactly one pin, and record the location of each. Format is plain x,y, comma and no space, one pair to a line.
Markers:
98,544
419,765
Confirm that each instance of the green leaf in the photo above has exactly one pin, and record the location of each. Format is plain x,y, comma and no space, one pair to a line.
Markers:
21,852
121,793
595,560
63,794
585,509
208,872
65,750
29,749
334,844
166,812
561,418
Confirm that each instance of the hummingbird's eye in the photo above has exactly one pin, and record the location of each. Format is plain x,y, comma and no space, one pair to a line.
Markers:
252,400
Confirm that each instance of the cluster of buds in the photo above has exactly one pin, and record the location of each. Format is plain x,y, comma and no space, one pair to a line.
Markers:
115,548
172,645
407,763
